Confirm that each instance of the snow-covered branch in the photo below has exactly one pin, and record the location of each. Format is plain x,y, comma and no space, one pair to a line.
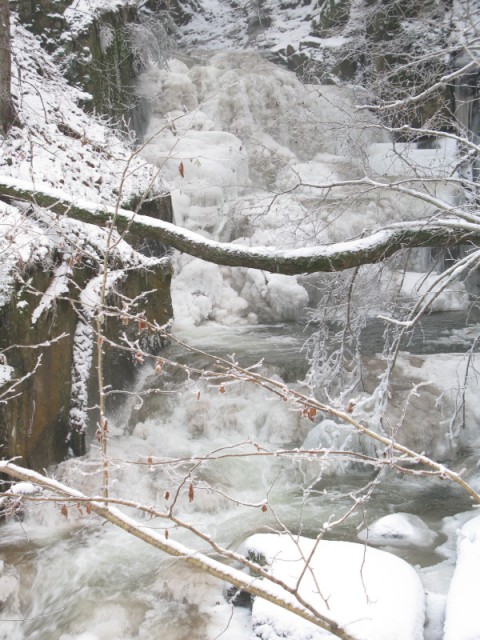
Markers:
272,592
369,249
414,99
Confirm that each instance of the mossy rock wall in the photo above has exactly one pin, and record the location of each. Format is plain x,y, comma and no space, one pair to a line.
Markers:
35,424
332,16
122,366
99,61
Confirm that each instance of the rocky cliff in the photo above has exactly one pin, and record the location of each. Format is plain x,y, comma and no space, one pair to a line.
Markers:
46,263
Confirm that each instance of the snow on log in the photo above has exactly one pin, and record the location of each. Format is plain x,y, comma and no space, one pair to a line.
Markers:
368,249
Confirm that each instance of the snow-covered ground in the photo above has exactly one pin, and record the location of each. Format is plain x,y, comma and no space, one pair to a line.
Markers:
222,24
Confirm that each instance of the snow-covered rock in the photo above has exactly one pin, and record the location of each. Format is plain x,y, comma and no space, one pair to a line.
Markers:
440,294
6,374
371,593
432,401
462,617
398,530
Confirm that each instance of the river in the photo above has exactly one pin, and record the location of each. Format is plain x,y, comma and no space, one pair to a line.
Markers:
72,578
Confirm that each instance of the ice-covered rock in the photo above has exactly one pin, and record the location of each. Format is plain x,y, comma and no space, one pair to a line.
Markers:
371,593
398,530
432,401
452,297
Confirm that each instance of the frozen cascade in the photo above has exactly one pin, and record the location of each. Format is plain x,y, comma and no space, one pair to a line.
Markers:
241,141
245,145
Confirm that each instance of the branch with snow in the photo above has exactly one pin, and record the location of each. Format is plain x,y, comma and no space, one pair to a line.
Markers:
275,592
369,249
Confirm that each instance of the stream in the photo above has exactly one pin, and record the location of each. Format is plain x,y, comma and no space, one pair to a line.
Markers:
72,579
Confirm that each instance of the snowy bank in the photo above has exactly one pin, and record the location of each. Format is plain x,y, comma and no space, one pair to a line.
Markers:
462,618
398,530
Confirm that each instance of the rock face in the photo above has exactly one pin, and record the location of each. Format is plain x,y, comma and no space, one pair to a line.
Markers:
35,423
94,51
99,60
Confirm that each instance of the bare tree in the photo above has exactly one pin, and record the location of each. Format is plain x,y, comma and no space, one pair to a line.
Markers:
7,112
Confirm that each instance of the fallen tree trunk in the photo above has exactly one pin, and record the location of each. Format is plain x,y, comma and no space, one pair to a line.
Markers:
371,248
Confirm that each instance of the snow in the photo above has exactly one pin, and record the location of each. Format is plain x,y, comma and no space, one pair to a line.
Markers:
22,242
439,415
225,25
462,620
23,488
18,489
371,593
67,153
6,374
80,13
396,159
57,287
90,299
398,530
414,286
75,158
63,146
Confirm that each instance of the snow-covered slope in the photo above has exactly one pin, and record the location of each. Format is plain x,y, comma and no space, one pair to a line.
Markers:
54,143
58,144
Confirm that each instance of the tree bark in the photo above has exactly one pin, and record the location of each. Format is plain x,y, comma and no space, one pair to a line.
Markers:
7,112
371,248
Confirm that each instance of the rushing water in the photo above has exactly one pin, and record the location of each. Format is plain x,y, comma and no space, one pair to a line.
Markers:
70,578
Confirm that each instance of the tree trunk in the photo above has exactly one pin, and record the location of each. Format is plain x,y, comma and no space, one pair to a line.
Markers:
7,113
374,247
